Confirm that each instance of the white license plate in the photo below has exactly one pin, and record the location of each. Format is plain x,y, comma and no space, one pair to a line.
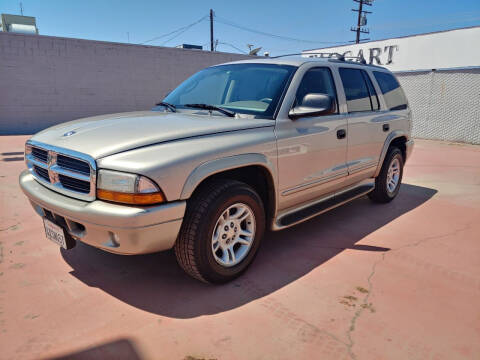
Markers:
54,233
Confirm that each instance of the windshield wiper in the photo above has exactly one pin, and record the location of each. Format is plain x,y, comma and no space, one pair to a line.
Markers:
169,106
211,107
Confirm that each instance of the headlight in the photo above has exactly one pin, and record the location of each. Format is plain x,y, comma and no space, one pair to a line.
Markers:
127,188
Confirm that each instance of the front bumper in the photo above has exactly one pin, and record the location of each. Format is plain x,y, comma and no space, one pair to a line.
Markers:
115,228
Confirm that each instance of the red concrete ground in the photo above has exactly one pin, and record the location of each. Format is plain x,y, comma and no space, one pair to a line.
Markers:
365,281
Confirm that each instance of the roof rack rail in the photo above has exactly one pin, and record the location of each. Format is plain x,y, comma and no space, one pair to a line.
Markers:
328,55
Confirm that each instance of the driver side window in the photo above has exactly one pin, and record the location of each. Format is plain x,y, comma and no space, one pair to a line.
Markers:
318,81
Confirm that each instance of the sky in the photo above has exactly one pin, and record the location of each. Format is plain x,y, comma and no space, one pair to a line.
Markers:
279,27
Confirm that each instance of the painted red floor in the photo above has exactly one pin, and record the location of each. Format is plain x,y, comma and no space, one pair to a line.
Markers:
365,281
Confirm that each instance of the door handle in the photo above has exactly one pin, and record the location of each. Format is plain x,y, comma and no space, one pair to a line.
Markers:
341,134
386,127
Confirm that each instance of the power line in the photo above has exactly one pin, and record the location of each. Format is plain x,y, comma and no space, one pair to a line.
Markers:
452,18
179,30
232,46
281,37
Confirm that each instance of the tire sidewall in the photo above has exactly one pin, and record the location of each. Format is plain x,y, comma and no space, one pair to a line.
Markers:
207,263
395,154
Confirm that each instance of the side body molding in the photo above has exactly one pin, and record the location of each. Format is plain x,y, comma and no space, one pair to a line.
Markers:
392,136
212,167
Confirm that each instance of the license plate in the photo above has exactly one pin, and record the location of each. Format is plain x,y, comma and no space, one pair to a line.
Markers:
55,233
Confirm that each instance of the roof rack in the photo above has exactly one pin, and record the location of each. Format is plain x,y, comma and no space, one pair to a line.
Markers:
328,55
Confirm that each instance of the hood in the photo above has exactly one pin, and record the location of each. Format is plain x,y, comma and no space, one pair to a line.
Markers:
104,135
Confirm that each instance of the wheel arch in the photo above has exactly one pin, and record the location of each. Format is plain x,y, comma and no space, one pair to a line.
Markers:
253,169
398,138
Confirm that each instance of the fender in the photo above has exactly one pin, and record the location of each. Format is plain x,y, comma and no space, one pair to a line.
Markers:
212,167
392,136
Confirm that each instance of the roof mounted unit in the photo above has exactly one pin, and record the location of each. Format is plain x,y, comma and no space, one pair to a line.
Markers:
189,46
19,24
255,51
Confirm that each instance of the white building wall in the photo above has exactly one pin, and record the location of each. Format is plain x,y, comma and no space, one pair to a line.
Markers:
440,73
447,49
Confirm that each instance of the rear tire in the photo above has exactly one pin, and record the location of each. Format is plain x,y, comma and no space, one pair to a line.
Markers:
387,183
221,231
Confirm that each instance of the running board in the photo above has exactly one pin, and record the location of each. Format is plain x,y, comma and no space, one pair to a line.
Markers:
307,212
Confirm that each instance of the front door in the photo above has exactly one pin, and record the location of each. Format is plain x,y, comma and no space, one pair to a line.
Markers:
312,151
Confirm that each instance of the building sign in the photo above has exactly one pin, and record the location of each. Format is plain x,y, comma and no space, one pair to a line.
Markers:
442,50
374,55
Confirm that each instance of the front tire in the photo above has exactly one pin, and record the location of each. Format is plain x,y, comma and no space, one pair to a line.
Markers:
387,183
221,231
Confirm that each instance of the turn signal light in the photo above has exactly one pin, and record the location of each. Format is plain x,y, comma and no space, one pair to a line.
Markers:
126,198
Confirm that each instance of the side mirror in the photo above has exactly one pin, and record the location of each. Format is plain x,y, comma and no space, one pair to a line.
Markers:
313,105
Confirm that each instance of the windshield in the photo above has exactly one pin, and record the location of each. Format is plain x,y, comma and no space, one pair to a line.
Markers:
242,88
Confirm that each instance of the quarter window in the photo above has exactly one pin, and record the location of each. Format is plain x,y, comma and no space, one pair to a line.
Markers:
373,94
356,90
316,81
391,90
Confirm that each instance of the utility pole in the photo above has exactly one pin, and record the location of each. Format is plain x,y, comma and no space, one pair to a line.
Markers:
362,19
211,30
21,9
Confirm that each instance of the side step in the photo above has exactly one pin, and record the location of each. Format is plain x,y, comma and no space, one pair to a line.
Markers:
317,208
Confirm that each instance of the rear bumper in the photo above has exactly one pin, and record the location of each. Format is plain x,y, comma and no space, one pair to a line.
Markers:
115,228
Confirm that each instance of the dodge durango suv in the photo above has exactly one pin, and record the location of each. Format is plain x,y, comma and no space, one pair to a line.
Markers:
234,150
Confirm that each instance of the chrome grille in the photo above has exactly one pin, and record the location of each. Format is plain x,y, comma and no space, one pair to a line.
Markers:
43,173
73,164
74,184
62,170
40,154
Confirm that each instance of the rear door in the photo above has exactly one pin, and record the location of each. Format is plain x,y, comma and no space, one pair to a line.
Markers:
366,131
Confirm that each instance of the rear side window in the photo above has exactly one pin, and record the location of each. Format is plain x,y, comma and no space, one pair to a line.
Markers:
318,81
391,90
357,90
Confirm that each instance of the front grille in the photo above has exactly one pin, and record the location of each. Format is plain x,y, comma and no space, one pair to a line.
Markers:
73,164
74,184
40,154
43,173
65,171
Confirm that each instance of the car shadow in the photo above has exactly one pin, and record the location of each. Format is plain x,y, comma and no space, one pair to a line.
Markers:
11,153
155,283
10,156
119,349
16,158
